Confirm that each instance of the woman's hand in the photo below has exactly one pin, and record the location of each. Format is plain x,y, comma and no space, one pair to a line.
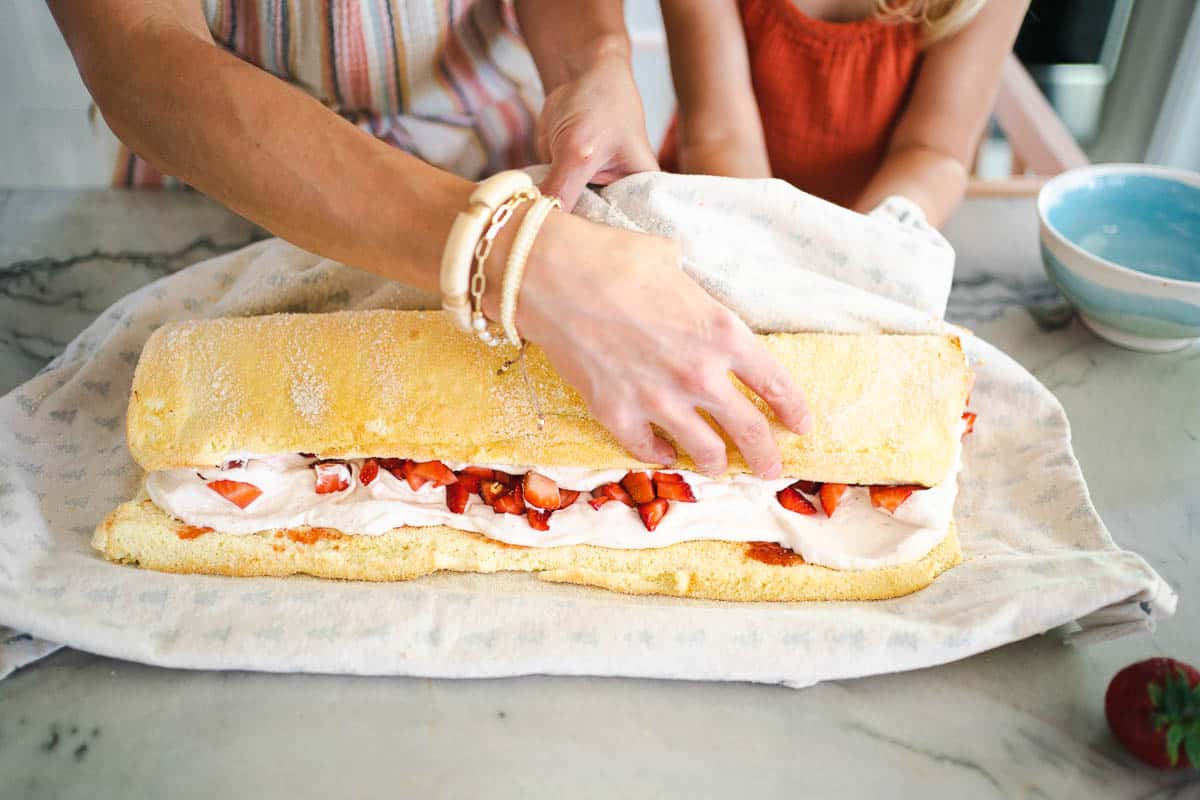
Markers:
643,343
592,129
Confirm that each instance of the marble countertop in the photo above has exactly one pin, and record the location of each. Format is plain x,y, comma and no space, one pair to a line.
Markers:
1025,720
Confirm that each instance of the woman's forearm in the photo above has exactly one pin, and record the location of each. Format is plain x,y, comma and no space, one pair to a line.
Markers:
720,132
934,181
272,153
566,38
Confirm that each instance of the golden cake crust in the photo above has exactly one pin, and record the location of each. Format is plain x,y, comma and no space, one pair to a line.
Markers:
406,383
138,532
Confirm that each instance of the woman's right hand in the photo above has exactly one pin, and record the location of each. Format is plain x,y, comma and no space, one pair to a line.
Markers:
643,343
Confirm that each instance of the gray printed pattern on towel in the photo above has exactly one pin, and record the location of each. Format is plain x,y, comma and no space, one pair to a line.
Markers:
1037,555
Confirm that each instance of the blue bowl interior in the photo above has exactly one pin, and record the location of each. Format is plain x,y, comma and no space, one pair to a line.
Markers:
1144,222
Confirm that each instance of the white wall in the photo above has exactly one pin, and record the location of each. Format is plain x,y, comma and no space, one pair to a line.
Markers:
45,136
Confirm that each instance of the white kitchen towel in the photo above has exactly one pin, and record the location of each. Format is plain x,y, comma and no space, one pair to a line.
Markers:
1036,554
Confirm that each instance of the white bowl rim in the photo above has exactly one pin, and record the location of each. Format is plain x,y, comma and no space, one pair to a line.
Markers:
1059,183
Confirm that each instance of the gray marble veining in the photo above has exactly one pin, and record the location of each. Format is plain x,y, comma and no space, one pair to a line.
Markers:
1025,720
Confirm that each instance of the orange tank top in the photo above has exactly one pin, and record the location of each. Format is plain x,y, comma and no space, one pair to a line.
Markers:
829,95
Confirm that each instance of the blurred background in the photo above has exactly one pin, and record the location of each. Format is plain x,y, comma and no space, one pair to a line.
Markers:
1122,76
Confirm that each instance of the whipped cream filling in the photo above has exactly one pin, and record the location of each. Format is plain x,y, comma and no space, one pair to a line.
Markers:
739,508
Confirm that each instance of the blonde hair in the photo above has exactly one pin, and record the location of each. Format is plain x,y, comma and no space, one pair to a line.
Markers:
937,18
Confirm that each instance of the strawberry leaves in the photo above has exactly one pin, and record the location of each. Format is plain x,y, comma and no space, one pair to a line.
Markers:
1176,705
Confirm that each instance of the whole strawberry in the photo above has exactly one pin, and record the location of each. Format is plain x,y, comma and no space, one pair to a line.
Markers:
1153,708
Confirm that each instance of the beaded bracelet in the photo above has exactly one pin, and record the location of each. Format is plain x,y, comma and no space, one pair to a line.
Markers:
518,256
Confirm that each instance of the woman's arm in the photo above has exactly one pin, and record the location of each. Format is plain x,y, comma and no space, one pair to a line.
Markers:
258,145
929,156
720,132
592,128
592,296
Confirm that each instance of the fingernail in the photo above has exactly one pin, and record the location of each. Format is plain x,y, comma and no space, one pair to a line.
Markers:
774,472
805,424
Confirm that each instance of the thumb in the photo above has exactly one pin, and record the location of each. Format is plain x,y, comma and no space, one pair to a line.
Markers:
571,168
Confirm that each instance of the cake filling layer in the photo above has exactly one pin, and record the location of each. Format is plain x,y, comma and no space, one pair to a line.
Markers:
857,536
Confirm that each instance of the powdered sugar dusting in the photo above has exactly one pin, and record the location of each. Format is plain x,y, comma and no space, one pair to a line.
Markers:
308,393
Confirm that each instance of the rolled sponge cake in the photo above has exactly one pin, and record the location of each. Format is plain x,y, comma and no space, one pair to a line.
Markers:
404,383
407,384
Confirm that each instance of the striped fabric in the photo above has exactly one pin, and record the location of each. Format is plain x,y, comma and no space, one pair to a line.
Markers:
447,80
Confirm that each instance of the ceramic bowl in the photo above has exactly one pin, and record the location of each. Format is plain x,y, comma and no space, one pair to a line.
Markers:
1122,241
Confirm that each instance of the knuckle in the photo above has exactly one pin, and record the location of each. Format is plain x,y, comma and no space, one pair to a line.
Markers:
754,430
725,329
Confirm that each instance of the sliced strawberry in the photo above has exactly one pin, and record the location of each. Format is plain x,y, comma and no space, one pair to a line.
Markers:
540,491
482,473
332,476
599,498
538,520
369,471
831,493
435,472
504,478
511,503
408,472
674,490
890,497
808,487
639,487
457,495
236,492
234,463
470,482
614,491
491,491
569,496
667,477
790,498
652,512
969,417
394,466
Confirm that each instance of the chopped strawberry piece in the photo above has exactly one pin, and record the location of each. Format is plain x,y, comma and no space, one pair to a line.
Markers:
540,491
236,492
332,476
491,491
599,498
831,493
470,482
457,496
969,417
394,466
233,463
652,512
639,487
408,472
538,520
667,477
482,473
790,498
511,503
569,496
369,471
433,471
614,491
503,477
674,490
890,497
808,487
